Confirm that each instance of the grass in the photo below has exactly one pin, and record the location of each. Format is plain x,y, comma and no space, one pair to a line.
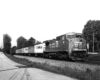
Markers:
75,73
94,57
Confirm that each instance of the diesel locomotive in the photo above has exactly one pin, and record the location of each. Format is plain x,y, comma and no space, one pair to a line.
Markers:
70,45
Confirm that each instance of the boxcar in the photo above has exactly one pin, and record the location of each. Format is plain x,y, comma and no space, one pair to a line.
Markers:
39,49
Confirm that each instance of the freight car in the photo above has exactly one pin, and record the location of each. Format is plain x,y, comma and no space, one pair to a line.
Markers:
22,51
39,49
36,50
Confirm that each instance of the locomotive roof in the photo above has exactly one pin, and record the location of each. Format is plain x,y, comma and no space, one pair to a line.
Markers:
73,33
68,35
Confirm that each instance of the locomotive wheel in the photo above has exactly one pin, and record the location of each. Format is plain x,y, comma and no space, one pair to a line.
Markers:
50,56
35,55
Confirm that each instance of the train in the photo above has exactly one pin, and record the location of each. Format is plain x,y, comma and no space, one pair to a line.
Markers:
68,46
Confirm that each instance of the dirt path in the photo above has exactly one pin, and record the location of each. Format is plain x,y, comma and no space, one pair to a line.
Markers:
10,70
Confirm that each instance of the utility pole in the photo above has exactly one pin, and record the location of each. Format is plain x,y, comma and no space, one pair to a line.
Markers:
88,47
93,41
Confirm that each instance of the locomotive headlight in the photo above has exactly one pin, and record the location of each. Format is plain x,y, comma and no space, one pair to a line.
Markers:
76,44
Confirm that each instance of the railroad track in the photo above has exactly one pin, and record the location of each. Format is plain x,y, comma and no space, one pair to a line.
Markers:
75,65
88,61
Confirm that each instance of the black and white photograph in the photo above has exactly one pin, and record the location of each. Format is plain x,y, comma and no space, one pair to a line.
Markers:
49,40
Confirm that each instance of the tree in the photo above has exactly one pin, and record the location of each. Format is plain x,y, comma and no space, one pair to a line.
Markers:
38,42
13,50
92,31
6,43
20,42
29,42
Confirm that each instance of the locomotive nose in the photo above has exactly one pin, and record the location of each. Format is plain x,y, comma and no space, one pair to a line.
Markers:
79,50
79,45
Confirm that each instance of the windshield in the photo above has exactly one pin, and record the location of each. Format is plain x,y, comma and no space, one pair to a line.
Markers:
78,45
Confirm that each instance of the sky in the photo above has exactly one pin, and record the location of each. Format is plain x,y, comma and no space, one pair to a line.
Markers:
45,19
